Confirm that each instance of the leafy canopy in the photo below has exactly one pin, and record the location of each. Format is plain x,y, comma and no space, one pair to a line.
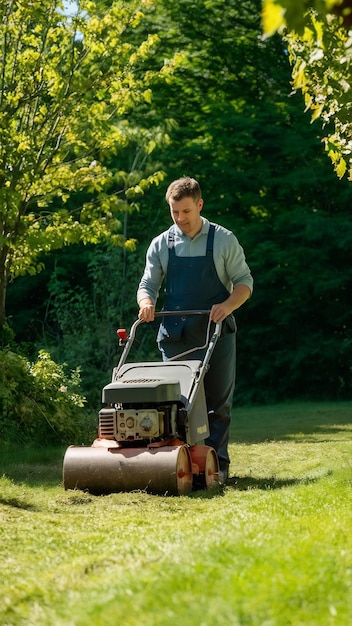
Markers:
320,46
68,83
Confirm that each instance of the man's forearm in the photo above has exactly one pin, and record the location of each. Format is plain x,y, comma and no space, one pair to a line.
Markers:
238,296
144,300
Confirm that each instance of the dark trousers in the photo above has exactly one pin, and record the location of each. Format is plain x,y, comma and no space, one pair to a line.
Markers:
219,384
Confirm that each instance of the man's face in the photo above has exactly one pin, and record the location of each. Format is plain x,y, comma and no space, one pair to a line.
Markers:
186,215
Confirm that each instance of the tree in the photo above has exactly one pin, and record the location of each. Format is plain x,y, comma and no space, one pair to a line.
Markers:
68,83
320,45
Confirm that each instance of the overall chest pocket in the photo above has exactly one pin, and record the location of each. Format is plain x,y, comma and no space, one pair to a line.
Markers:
171,329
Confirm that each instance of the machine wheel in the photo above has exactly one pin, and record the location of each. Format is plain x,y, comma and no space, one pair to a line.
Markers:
166,470
184,472
206,460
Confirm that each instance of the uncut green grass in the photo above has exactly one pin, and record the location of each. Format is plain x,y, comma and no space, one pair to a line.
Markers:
274,547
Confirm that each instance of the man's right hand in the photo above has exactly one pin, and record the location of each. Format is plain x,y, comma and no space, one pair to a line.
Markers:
146,311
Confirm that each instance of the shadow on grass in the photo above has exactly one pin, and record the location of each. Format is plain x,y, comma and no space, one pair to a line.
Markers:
32,466
246,483
48,475
16,503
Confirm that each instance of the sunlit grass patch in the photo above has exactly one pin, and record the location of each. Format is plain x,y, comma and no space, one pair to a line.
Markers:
273,547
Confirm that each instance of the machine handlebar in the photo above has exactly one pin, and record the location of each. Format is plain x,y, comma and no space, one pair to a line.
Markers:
129,339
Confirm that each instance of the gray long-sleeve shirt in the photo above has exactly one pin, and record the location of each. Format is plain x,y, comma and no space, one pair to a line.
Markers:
229,259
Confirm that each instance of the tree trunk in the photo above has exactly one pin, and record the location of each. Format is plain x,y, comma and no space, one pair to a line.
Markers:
3,286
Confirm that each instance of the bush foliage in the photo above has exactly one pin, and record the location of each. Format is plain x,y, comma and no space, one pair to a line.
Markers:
40,401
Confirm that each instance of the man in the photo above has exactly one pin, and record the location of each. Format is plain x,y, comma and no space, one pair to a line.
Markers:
205,268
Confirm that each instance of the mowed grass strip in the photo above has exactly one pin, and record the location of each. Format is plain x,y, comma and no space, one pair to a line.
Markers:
274,547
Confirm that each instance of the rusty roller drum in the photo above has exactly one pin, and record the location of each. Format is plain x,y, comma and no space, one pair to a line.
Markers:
166,470
205,459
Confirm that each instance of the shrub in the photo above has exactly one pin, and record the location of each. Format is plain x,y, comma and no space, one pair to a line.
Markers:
41,401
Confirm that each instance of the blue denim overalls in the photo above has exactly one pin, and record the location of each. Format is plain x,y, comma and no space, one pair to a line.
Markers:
192,283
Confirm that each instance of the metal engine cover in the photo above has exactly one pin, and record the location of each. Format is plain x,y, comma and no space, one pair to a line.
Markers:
140,390
136,425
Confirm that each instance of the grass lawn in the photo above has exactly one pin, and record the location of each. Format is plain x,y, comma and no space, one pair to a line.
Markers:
272,548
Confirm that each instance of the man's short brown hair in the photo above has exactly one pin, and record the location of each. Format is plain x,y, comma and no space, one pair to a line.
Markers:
183,188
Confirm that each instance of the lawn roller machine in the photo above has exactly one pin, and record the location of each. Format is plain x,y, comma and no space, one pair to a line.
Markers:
152,426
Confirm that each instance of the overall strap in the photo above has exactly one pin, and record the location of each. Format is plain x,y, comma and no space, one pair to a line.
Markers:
171,238
210,240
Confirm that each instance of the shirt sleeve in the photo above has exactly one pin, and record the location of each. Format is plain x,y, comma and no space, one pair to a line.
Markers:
230,260
154,272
